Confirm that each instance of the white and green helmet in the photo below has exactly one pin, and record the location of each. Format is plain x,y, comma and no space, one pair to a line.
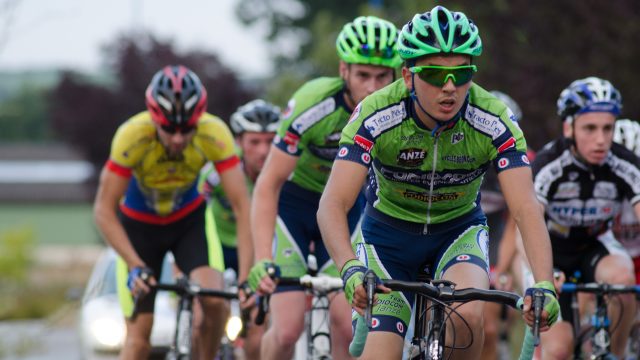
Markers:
369,40
439,31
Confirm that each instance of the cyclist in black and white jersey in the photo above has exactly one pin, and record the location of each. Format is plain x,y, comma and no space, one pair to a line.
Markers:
582,180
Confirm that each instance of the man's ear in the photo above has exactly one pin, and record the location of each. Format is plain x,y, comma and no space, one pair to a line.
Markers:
406,76
343,69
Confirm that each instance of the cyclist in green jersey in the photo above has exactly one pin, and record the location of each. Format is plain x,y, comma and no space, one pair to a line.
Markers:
254,125
426,141
288,190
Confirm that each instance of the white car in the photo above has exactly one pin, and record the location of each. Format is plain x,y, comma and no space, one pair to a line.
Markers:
101,322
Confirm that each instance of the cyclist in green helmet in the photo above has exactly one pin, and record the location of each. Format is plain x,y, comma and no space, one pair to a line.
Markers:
288,190
425,142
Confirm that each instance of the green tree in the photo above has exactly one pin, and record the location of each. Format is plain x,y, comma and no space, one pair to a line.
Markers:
24,116
87,114
532,50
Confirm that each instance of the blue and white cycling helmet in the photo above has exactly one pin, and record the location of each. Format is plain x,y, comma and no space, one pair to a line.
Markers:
591,94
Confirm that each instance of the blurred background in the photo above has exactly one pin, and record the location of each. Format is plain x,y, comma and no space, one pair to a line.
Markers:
71,71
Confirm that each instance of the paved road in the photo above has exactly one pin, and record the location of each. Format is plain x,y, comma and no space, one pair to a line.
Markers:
51,339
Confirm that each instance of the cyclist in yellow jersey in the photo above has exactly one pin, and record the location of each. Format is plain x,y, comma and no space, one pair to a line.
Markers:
147,203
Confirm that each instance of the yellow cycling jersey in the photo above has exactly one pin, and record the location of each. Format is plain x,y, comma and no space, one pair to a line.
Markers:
163,189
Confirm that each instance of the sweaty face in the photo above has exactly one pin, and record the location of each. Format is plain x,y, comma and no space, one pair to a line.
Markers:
174,143
441,102
593,135
255,148
363,80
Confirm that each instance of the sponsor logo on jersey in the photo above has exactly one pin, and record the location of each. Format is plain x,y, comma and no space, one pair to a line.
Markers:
375,322
573,175
591,213
385,119
291,139
400,327
314,114
483,242
463,257
289,110
605,190
424,178
363,142
567,190
503,163
425,196
343,152
355,113
412,138
366,158
509,144
484,122
411,157
457,137
458,159
287,252
525,159
361,253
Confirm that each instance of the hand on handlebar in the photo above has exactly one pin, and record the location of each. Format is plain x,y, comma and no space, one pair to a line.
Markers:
246,296
551,307
352,274
261,277
139,281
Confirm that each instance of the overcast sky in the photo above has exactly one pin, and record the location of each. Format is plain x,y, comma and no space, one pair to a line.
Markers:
69,33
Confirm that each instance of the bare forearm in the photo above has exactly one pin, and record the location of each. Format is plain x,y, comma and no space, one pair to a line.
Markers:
115,235
263,220
537,244
245,245
507,246
332,220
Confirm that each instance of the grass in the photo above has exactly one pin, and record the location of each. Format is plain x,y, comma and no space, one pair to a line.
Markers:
52,224
30,289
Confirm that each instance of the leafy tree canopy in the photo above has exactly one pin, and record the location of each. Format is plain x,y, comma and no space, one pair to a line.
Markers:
532,50
87,114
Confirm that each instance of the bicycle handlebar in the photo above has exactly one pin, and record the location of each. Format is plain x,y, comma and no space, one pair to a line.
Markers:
323,284
183,287
449,294
600,288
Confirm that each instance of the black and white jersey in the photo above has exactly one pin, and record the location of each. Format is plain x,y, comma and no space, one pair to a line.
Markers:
581,200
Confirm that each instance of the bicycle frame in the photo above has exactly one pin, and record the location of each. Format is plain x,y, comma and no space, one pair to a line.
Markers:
441,295
320,287
600,336
187,291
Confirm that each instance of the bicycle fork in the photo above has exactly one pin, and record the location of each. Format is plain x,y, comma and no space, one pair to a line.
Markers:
431,346
184,321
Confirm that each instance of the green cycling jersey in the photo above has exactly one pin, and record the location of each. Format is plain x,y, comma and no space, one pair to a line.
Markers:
311,129
428,176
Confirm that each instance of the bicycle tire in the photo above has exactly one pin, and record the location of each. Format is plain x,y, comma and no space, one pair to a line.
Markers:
581,341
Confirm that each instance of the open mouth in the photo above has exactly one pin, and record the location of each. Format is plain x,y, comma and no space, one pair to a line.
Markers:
447,105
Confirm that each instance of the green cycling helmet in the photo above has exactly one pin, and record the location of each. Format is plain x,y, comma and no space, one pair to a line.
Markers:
369,40
439,31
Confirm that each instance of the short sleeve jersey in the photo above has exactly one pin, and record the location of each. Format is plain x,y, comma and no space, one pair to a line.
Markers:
311,129
425,176
163,189
581,200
